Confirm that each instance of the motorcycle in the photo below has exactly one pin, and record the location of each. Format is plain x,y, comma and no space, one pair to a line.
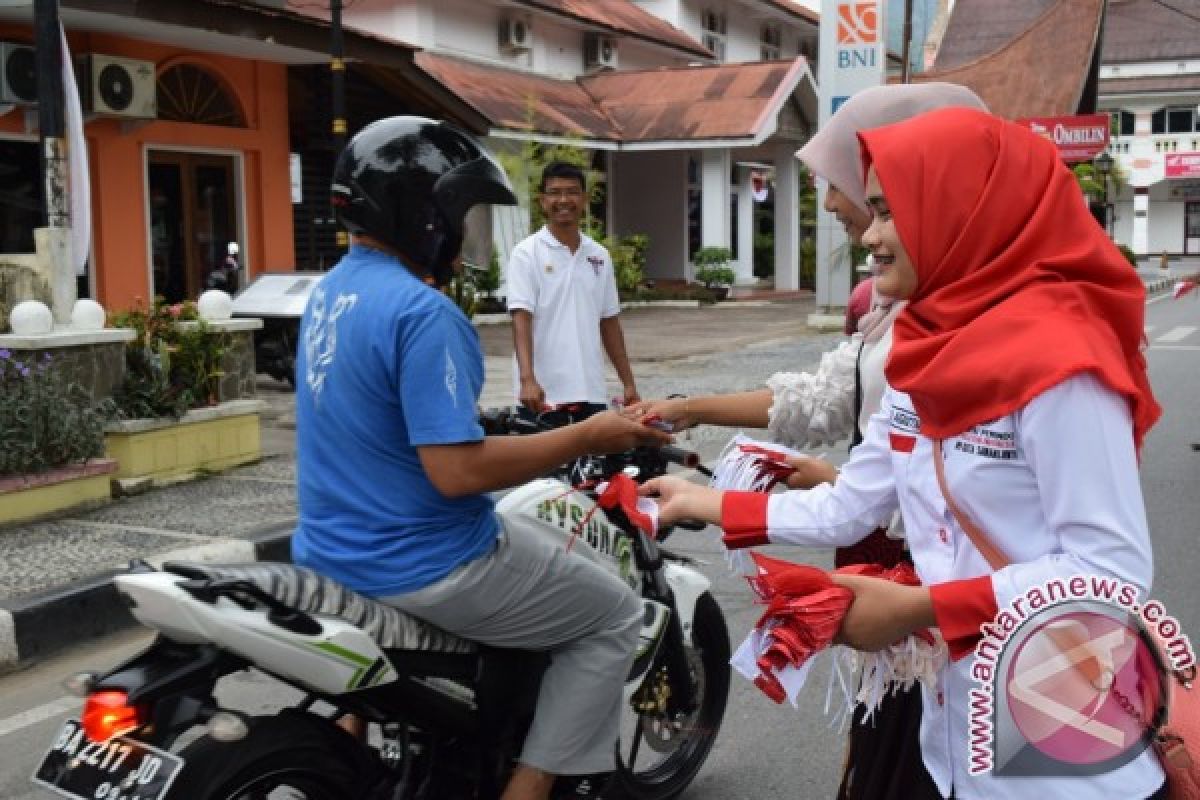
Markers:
446,716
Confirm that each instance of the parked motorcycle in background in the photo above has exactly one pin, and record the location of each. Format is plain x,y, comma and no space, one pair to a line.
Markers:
447,716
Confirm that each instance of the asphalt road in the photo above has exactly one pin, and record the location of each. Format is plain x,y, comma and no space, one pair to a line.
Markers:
764,751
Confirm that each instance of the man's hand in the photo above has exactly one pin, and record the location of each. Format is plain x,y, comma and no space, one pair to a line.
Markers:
631,395
679,499
882,612
533,396
611,432
672,411
810,472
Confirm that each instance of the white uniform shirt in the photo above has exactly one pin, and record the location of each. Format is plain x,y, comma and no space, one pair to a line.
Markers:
1054,485
568,294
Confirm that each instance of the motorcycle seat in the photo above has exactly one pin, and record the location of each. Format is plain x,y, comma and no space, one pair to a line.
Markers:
304,590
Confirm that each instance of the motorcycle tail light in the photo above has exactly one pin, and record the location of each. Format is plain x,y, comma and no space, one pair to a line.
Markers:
108,714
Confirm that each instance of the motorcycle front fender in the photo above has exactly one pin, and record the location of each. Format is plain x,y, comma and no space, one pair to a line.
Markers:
687,584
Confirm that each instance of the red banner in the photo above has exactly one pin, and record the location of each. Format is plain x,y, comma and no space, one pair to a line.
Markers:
1078,138
1183,165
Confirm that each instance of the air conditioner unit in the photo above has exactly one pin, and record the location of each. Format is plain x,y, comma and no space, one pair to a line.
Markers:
118,87
599,52
18,74
515,36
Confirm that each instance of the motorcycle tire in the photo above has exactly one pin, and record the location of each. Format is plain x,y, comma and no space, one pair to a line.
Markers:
669,777
304,756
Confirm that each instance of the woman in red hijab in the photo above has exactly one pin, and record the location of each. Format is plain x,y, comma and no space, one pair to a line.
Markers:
1017,399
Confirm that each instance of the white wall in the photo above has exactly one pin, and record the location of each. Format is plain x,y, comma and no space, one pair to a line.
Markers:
1166,227
649,195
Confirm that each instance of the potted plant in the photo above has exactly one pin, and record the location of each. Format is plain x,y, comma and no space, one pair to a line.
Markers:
713,270
173,423
53,434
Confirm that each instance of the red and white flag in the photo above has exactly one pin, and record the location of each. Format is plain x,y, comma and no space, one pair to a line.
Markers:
77,166
1182,288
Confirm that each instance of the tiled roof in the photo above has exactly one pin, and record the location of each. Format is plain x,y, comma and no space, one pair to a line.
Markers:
979,27
1145,30
1150,85
625,18
728,101
796,10
521,101
1042,71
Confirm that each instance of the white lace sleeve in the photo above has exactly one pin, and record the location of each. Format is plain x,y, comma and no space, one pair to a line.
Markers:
814,409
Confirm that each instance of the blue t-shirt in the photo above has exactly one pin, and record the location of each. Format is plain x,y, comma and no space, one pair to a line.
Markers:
384,364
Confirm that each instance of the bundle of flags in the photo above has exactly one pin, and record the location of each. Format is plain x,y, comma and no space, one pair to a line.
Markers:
804,612
747,465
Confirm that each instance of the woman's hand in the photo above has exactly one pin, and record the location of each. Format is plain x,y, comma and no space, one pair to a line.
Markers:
674,410
882,612
810,472
679,499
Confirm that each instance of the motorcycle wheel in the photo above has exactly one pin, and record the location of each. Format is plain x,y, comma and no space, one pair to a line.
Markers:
293,755
659,757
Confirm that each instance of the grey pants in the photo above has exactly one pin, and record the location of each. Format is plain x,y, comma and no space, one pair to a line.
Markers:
530,594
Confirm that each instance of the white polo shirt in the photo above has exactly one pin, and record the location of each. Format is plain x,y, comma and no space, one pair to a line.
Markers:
568,294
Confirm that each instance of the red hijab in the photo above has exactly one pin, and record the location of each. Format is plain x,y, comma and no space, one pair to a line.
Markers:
1018,288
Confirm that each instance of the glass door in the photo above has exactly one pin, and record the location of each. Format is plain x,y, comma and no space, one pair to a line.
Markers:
193,218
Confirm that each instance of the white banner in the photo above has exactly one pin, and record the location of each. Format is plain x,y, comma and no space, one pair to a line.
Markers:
853,57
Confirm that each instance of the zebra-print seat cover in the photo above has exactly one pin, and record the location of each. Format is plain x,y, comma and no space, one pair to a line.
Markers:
303,589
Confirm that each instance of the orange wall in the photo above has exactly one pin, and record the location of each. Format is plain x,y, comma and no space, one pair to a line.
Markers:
120,255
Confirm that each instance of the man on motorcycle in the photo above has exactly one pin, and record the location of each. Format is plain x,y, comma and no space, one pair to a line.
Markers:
394,468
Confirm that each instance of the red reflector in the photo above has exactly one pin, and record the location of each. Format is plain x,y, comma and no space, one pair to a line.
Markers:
107,714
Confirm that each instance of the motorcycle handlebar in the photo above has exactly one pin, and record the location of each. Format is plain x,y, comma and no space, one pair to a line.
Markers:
503,421
677,455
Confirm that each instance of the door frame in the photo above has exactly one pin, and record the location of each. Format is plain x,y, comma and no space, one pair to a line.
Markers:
240,213
1188,204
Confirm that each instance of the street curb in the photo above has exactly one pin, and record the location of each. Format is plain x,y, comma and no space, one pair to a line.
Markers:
40,625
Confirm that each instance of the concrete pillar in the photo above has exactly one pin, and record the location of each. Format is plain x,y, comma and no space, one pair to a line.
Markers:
745,232
787,218
1141,220
714,198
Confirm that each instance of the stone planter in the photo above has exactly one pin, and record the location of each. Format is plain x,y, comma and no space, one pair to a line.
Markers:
26,497
202,440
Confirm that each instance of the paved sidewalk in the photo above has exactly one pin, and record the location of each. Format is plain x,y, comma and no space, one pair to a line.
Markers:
55,575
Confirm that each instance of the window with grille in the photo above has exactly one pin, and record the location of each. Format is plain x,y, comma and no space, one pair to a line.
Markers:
713,38
190,93
771,43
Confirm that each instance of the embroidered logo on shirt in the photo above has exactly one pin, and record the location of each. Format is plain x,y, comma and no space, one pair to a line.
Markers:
451,378
905,425
320,340
988,442
597,262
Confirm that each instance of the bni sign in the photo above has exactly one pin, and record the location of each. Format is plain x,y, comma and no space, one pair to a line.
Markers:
852,55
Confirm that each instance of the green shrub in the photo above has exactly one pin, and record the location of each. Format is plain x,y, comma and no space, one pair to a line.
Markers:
461,290
172,365
629,259
712,266
46,421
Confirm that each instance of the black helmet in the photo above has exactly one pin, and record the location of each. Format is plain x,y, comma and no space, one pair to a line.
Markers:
409,182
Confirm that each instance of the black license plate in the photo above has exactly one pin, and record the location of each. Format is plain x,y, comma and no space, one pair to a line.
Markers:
119,769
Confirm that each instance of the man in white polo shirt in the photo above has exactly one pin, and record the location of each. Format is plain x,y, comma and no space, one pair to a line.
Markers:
562,295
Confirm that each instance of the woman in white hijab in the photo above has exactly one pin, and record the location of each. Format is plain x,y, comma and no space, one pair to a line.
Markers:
821,408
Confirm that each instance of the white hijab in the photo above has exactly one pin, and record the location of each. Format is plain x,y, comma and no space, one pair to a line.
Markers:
833,151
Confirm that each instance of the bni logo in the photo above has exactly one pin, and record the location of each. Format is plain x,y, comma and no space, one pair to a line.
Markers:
858,23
